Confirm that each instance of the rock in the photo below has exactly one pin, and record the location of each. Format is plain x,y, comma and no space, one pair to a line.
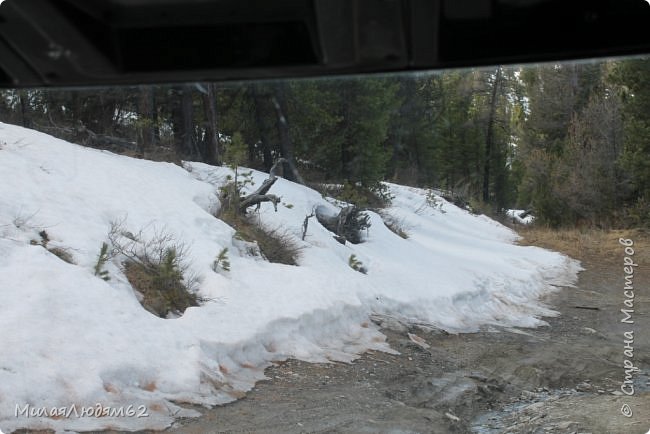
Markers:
478,376
452,417
393,324
419,341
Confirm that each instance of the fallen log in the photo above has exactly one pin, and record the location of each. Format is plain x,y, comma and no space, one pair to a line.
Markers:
346,225
525,213
261,195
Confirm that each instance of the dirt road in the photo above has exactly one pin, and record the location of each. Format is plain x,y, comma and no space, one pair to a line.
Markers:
562,378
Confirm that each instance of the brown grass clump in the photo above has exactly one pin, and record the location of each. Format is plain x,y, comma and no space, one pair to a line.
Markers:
395,225
162,293
62,254
276,245
156,266
587,244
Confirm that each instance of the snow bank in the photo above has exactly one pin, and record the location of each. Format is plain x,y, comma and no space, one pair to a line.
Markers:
515,214
71,340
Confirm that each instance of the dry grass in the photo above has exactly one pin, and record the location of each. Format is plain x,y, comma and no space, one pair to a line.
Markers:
394,224
156,266
160,296
276,245
62,254
587,244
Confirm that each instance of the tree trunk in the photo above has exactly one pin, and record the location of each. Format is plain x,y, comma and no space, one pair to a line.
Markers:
489,140
184,124
286,146
212,146
261,126
146,109
346,157
24,109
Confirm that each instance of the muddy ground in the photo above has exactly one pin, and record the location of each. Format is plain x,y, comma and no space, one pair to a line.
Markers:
564,378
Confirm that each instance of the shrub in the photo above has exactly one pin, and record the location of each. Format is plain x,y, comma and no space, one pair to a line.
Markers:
230,194
157,268
278,246
348,224
638,215
24,221
431,201
375,197
382,192
163,287
459,201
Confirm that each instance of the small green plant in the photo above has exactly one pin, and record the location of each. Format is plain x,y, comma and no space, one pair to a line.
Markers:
235,154
288,205
221,261
168,273
431,201
231,192
102,258
357,265
382,191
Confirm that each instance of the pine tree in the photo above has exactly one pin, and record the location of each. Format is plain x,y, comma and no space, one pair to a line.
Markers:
634,77
168,274
221,261
102,258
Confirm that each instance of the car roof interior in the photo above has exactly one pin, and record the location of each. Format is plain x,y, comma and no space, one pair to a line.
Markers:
64,43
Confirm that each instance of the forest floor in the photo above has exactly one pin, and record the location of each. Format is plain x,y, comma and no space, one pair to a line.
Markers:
562,378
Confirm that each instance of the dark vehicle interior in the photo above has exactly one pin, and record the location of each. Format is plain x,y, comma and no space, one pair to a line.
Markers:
81,43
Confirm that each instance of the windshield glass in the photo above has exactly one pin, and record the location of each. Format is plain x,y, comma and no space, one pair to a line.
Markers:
463,242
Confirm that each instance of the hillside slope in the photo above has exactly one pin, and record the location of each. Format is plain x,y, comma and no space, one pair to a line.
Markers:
70,339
